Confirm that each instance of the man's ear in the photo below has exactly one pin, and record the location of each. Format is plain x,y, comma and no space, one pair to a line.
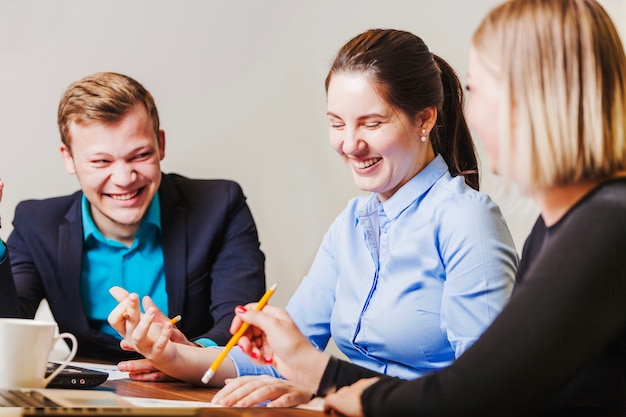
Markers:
68,160
161,144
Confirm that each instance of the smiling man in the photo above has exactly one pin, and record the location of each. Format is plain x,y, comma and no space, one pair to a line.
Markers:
190,245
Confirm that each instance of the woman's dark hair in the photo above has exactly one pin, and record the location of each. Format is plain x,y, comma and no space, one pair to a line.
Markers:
411,79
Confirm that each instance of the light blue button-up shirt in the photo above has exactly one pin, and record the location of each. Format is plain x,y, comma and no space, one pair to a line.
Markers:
406,286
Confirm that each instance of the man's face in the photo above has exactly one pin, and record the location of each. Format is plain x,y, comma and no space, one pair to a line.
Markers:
118,168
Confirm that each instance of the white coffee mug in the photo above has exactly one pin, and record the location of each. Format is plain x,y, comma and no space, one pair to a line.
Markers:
25,347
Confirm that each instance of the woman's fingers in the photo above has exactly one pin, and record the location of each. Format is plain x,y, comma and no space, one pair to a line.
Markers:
249,391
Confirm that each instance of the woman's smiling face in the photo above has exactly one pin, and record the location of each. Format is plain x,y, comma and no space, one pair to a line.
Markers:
379,143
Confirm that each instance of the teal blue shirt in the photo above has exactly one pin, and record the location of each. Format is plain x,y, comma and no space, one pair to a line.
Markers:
107,262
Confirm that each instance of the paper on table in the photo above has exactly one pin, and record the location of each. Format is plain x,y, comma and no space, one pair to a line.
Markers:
112,370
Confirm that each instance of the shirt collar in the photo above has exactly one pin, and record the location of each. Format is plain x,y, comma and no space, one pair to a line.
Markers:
152,216
413,190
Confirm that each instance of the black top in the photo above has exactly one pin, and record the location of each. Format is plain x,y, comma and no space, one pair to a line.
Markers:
557,348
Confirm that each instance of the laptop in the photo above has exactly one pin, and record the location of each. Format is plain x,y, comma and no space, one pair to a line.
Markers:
50,397
47,401
73,376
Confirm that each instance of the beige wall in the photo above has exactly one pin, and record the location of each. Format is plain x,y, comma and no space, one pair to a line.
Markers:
239,85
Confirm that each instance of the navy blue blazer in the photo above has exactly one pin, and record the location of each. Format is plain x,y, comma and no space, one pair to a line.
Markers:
211,251
8,297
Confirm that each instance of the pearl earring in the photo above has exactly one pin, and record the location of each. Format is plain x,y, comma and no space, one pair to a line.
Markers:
423,138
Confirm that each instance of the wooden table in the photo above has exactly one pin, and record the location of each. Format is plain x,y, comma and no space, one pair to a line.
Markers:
189,392
162,390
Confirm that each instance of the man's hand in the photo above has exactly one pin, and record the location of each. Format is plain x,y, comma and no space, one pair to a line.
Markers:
143,370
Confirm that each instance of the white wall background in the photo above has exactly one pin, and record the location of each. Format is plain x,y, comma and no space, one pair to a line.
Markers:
239,87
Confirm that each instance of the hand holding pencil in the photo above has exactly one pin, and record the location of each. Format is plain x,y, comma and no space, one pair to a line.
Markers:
235,338
272,337
126,315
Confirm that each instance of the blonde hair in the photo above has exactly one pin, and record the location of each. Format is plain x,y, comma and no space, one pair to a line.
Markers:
103,97
561,66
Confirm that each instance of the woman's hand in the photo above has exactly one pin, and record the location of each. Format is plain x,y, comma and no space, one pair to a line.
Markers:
248,391
347,401
273,338
147,334
141,334
127,312
168,353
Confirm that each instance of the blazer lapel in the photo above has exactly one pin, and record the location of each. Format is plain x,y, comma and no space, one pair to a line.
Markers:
71,248
174,243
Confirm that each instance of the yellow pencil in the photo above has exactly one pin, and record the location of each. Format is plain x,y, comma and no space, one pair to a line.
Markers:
233,340
176,319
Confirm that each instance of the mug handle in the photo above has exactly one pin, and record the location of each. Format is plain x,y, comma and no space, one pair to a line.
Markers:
67,360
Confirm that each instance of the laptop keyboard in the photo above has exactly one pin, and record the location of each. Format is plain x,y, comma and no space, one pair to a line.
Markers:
17,398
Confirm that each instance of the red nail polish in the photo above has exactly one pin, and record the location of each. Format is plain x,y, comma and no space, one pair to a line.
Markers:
268,359
254,354
240,309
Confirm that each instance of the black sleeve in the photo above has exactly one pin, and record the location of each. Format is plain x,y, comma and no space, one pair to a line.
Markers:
340,373
568,312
